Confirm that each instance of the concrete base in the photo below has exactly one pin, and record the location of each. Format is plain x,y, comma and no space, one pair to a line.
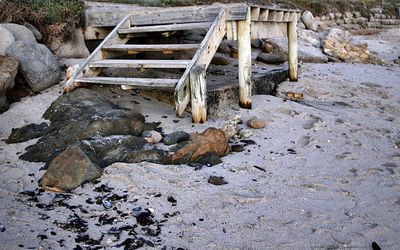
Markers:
223,87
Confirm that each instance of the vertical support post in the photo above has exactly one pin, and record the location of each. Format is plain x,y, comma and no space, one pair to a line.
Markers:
292,47
198,92
244,46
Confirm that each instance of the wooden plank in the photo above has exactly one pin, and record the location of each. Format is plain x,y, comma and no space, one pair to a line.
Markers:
268,30
204,54
198,93
263,15
292,48
127,63
166,27
84,70
150,47
279,16
136,82
162,15
244,68
231,30
286,17
271,16
255,12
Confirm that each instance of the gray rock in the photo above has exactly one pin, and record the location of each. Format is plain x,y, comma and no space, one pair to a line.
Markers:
19,32
176,137
73,48
306,52
6,40
311,37
69,170
338,34
220,59
37,63
309,20
35,31
8,71
272,58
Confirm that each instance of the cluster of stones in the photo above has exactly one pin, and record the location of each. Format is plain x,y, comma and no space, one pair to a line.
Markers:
376,20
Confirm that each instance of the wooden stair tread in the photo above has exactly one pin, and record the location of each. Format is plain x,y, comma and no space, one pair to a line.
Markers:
125,63
163,28
150,47
137,82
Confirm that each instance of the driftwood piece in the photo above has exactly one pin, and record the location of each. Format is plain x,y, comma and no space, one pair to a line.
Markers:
198,93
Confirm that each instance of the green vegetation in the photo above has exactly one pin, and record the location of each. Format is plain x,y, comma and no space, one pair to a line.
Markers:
51,17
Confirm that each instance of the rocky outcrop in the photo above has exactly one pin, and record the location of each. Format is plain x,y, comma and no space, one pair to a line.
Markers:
336,44
8,71
38,65
20,32
69,170
72,48
7,39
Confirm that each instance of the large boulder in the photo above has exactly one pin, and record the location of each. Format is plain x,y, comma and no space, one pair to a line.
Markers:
6,40
310,37
35,31
336,44
19,32
8,71
38,65
72,48
210,141
69,170
306,52
272,58
309,20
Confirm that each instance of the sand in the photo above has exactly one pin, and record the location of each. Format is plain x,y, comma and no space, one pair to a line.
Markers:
326,176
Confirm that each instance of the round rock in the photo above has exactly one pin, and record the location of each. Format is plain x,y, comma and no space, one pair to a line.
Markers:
176,137
257,123
6,40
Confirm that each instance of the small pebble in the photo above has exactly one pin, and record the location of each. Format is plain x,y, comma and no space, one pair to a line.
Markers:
217,180
107,204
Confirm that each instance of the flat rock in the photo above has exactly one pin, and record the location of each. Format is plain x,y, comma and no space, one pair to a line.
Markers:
176,137
20,32
6,40
272,58
69,170
38,65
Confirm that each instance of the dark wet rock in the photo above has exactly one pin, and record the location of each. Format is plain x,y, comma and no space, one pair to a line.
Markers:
132,243
176,137
27,132
237,147
143,216
217,180
272,58
69,170
171,199
38,65
221,60
209,159
375,246
211,140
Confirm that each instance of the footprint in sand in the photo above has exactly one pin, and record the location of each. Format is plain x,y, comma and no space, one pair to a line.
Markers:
312,123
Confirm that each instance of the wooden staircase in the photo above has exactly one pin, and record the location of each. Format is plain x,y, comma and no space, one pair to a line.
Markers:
108,55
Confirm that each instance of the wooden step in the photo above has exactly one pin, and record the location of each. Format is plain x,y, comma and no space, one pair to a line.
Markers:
150,47
124,63
136,82
163,28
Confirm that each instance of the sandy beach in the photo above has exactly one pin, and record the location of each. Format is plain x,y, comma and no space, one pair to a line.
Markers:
323,174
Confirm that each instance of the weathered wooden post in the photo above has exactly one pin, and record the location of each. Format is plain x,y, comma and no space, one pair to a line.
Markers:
292,47
198,93
244,46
